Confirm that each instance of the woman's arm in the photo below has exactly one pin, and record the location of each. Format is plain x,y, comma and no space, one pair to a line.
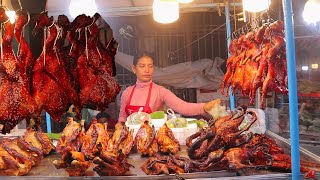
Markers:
124,100
180,106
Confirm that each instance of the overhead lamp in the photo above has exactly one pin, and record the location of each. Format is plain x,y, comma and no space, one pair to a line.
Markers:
314,66
165,11
12,16
185,1
311,11
305,68
255,5
78,7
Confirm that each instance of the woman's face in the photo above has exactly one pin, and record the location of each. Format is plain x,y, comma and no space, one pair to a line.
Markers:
144,69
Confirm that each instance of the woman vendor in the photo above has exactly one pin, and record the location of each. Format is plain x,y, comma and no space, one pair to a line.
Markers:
153,97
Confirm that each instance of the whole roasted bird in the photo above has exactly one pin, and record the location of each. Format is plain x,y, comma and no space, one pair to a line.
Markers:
72,137
39,140
96,135
16,102
73,162
121,139
166,140
145,140
258,59
110,164
49,74
97,86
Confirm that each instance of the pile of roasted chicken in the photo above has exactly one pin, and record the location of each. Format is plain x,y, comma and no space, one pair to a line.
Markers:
81,73
258,60
18,155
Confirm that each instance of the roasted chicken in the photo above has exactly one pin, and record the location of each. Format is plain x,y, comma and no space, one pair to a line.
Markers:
73,162
110,164
145,140
72,137
121,139
166,140
39,140
96,135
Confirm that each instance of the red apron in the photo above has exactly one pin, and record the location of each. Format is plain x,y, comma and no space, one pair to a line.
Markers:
146,108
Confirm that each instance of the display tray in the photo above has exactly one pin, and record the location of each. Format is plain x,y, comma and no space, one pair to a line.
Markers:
285,144
45,169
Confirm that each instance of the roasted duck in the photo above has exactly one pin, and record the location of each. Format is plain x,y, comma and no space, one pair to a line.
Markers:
166,140
72,137
221,133
121,139
73,162
49,73
163,165
97,86
16,102
145,140
110,164
39,140
96,135
258,59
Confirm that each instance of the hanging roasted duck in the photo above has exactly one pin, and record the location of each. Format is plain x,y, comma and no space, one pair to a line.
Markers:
97,86
49,73
258,60
145,140
16,102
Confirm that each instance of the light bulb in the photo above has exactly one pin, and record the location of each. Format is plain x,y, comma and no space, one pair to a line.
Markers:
165,11
12,16
185,1
305,68
311,11
78,7
256,5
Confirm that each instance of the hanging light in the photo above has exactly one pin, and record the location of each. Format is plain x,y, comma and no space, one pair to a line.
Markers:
185,1
255,5
165,11
12,16
78,7
311,11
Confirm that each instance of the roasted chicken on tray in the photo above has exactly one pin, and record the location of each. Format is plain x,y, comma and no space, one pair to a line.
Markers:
72,136
96,134
110,164
121,139
73,162
39,140
166,140
145,140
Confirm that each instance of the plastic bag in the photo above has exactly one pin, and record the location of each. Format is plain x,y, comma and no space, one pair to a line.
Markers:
138,117
176,122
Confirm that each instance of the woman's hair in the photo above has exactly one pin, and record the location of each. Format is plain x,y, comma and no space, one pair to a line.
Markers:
136,60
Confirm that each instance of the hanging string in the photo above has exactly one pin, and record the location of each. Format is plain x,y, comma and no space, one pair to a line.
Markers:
1,26
59,35
44,45
86,37
20,4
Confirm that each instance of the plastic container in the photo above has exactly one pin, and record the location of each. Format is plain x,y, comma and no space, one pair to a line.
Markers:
181,134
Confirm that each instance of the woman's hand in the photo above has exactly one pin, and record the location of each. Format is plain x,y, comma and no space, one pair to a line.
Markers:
215,109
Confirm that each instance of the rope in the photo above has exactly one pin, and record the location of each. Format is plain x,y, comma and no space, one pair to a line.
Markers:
1,43
44,45
20,4
86,37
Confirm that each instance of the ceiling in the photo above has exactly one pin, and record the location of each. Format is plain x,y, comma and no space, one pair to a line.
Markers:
111,8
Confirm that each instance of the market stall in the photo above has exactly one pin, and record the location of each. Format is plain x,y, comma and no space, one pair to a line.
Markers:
78,66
